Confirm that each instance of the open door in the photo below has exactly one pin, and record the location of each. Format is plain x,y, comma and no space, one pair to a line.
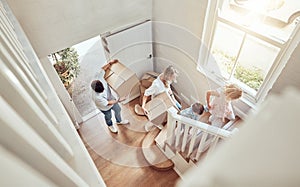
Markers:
132,46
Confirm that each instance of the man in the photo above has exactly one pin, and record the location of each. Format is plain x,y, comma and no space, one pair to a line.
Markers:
106,102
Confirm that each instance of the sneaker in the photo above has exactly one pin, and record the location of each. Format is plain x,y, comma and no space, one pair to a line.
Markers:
123,122
113,129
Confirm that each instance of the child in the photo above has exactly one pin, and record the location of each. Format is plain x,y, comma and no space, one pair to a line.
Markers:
194,111
220,106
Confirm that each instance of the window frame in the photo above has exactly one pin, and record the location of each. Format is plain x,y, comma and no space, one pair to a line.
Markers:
210,22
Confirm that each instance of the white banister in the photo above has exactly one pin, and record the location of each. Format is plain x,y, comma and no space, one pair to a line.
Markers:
177,131
7,29
193,132
25,79
19,138
213,144
22,102
15,58
192,143
171,125
201,146
185,137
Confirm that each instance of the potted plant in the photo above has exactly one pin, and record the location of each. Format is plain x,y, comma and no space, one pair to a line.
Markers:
66,65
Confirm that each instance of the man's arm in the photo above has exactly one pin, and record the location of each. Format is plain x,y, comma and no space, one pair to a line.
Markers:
111,102
106,66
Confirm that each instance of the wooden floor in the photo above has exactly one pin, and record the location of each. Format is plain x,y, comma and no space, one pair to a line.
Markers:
118,157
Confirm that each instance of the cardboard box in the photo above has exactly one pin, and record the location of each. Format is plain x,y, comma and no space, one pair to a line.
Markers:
122,80
146,81
158,105
153,74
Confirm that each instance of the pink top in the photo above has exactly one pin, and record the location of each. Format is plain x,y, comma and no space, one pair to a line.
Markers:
221,108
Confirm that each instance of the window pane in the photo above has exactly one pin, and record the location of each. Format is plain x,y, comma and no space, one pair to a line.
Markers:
275,19
226,44
255,60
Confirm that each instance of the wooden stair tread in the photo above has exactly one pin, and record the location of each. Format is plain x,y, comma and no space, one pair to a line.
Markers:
202,156
161,137
153,155
237,124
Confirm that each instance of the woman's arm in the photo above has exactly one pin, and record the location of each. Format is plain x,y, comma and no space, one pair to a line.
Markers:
171,94
210,93
152,90
174,100
144,103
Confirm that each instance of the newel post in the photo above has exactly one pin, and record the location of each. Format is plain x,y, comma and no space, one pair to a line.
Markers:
171,125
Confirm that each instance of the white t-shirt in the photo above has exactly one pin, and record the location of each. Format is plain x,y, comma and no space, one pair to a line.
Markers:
101,99
157,87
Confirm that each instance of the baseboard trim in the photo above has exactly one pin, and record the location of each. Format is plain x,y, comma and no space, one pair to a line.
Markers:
90,115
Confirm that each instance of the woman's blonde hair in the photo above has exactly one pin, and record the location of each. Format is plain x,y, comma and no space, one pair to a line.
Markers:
233,92
168,73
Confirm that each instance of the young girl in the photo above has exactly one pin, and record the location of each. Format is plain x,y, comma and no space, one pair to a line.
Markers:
220,106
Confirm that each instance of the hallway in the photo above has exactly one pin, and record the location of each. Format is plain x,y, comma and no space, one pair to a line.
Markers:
119,157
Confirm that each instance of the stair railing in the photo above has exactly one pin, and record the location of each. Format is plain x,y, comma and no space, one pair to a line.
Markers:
192,137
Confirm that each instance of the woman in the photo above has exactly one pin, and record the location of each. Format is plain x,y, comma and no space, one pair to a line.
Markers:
161,84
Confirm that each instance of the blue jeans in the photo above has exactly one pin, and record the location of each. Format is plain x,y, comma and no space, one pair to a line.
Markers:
178,105
107,114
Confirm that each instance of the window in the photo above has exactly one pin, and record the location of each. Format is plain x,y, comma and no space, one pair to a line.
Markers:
245,40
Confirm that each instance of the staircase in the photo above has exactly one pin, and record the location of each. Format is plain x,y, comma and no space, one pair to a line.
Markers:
152,153
183,141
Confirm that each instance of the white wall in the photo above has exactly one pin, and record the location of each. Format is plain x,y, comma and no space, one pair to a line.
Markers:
290,74
54,25
177,29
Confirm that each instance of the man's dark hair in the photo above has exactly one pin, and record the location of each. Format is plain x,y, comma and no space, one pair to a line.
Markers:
198,108
97,86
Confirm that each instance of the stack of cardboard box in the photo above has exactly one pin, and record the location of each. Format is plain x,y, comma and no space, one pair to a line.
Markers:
122,80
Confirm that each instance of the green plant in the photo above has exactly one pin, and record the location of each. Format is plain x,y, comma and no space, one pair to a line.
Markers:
251,76
66,65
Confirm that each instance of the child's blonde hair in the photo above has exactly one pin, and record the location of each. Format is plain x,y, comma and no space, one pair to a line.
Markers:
233,92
